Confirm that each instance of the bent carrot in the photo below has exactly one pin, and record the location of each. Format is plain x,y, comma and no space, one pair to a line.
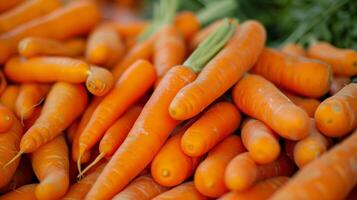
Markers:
9,96
293,49
271,107
26,192
3,82
6,118
308,104
217,123
262,142
209,176
183,191
338,82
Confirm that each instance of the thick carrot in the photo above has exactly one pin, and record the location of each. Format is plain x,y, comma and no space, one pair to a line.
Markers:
198,37
303,76
338,82
39,46
3,82
343,61
308,104
214,80
217,123
209,176
242,172
183,191
31,120
262,142
7,118
6,5
142,188
9,96
271,107
51,165
259,191
293,49
331,176
25,12
26,192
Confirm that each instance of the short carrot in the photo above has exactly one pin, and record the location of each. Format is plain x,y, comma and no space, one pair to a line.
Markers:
338,82
183,191
217,123
7,118
26,192
261,141
303,76
9,96
209,176
337,115
270,106
308,104
3,82
293,49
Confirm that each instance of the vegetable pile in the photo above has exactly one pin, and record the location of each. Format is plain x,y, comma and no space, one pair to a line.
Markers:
186,105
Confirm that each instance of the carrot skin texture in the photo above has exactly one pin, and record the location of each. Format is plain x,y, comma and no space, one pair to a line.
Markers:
220,121
26,192
184,191
144,135
337,115
293,49
338,82
270,106
308,104
9,96
7,118
99,81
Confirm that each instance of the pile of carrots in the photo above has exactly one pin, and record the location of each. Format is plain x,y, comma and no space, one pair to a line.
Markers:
183,106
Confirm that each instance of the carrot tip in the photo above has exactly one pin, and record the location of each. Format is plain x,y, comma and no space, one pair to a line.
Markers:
96,160
13,159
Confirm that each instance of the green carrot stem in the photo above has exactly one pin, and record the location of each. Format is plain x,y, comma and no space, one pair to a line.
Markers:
216,10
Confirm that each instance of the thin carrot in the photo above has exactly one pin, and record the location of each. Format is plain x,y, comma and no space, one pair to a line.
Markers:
259,191
209,176
7,118
308,104
26,192
9,96
217,123
215,80
78,17
31,120
198,37
331,176
338,82
7,5
261,141
25,12
343,61
303,76
51,165
39,46
242,172
3,82
337,115
293,49
271,107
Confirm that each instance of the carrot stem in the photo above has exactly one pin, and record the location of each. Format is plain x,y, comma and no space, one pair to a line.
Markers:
216,10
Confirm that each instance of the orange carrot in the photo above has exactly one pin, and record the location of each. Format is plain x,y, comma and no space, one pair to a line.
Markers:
338,82
25,12
217,123
51,165
3,82
271,107
26,192
293,49
259,191
214,80
209,176
331,176
187,23
198,37
303,76
31,120
261,142
6,5
6,118
308,104
75,18
9,96
38,46
142,188
127,29
337,115
183,191
343,61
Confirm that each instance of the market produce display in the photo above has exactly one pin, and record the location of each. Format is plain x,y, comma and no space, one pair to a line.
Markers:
172,100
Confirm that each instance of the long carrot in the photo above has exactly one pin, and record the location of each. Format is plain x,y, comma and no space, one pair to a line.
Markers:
73,19
293,49
183,191
308,104
338,82
271,107
343,61
26,192
331,176
261,142
242,172
9,96
7,118
303,76
209,176
147,136
6,5
217,123
215,79
3,82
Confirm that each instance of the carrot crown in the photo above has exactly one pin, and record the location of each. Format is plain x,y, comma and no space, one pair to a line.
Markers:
216,10
210,46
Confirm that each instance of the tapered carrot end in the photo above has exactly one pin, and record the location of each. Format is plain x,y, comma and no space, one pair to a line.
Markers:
96,160
79,167
13,159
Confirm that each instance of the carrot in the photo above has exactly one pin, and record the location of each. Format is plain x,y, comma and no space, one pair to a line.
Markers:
214,80
303,76
26,192
39,46
147,136
209,176
259,191
51,165
45,69
171,166
25,12
142,188
105,46
31,120
71,131
187,23
184,191
262,142
199,36
242,172
338,82
293,49
127,29
73,19
343,61
3,82
337,115
9,96
217,123
308,104
9,141
331,176
7,5
6,118
271,107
